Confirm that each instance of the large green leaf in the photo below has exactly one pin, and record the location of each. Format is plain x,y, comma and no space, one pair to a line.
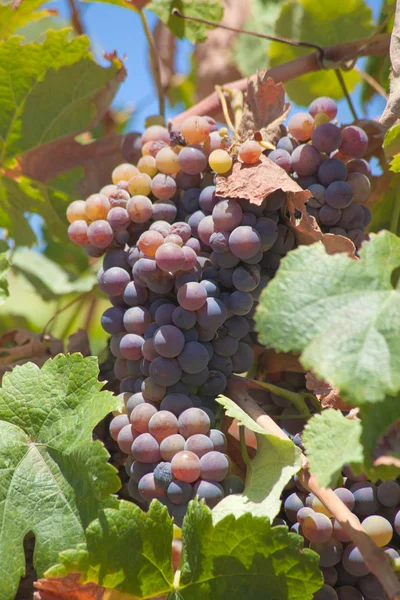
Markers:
343,315
53,477
267,474
211,10
49,279
50,90
323,23
126,549
4,268
243,558
251,53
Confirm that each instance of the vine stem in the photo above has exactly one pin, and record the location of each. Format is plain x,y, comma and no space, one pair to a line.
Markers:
374,557
346,94
296,399
63,308
295,68
154,62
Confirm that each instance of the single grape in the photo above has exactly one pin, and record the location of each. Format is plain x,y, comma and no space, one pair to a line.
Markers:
361,186
326,138
165,371
339,194
379,529
152,392
186,466
306,160
323,105
250,152
281,158
326,593
195,130
218,439
212,314
155,133
163,314
112,320
176,403
169,257
371,587
76,211
139,185
207,199
139,209
317,528
171,446
332,170
136,319
147,164
140,417
99,233
358,165
146,449
125,438
210,491
148,350
388,493
214,385
192,159
354,142
114,281
194,221
190,200
167,161
169,341
162,425
163,186
150,241
200,444
138,469
134,294
163,474
292,505
329,215
353,561
243,359
193,421
227,214
97,207
164,210
118,423
330,552
220,161
123,172
179,492
301,126
214,466
190,259
286,143
232,485
149,489
303,513
118,218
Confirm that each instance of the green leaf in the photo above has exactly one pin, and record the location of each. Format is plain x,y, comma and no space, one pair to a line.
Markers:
4,268
395,164
211,10
251,53
331,441
267,474
39,102
342,314
126,549
53,477
391,142
323,23
11,20
243,558
48,278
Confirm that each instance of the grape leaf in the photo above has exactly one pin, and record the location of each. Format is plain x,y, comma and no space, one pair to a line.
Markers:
267,474
50,90
53,477
328,23
395,164
212,10
11,20
342,315
49,279
126,549
391,142
331,441
243,558
4,268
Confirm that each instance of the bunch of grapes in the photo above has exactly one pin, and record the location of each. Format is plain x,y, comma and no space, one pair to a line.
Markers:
327,161
184,269
377,507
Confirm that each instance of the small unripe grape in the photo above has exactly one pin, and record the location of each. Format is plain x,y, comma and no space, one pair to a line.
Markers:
220,161
97,207
167,161
195,130
139,185
123,173
147,164
250,152
76,211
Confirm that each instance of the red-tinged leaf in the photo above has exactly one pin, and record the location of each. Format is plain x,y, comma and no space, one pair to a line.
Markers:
67,588
265,109
376,133
326,394
98,159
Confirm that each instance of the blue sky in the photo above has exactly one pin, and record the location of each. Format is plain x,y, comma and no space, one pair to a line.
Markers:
111,27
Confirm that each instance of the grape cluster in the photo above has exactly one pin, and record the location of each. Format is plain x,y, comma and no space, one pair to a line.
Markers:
327,161
183,269
377,507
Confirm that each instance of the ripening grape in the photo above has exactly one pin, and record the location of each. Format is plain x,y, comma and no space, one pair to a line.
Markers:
125,438
155,133
306,160
250,152
148,165
169,341
163,474
179,492
169,257
185,466
192,296
164,210
360,185
388,493
326,593
140,417
139,209
78,232
171,446
117,424
149,489
146,449
167,161
192,160
323,105
353,561
354,142
195,130
332,170
214,466
131,346
210,491
301,126
281,158
152,392
379,529
150,241
193,421
163,186
366,500
176,403
220,161
140,185
317,528
165,371
76,211
162,425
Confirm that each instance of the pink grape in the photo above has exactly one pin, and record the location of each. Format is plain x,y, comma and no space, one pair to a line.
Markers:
185,466
192,296
170,257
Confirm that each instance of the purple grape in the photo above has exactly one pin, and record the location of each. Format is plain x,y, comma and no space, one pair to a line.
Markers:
176,403
328,215
326,137
353,561
354,142
214,466
332,170
192,160
339,194
306,160
282,158
210,491
243,359
193,358
114,281
287,143
212,314
112,320
165,371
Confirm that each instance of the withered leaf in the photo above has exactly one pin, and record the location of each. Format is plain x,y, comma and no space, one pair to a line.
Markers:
79,342
20,346
265,108
375,132
67,588
392,108
387,451
326,394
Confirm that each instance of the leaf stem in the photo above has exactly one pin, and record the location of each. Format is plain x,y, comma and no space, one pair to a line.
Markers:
297,399
220,91
243,446
154,62
60,310
346,94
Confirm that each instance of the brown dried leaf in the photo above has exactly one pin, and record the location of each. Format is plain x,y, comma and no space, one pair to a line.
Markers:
20,346
67,588
98,159
256,182
265,108
387,451
165,43
392,108
214,56
326,394
379,186
79,342
375,132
